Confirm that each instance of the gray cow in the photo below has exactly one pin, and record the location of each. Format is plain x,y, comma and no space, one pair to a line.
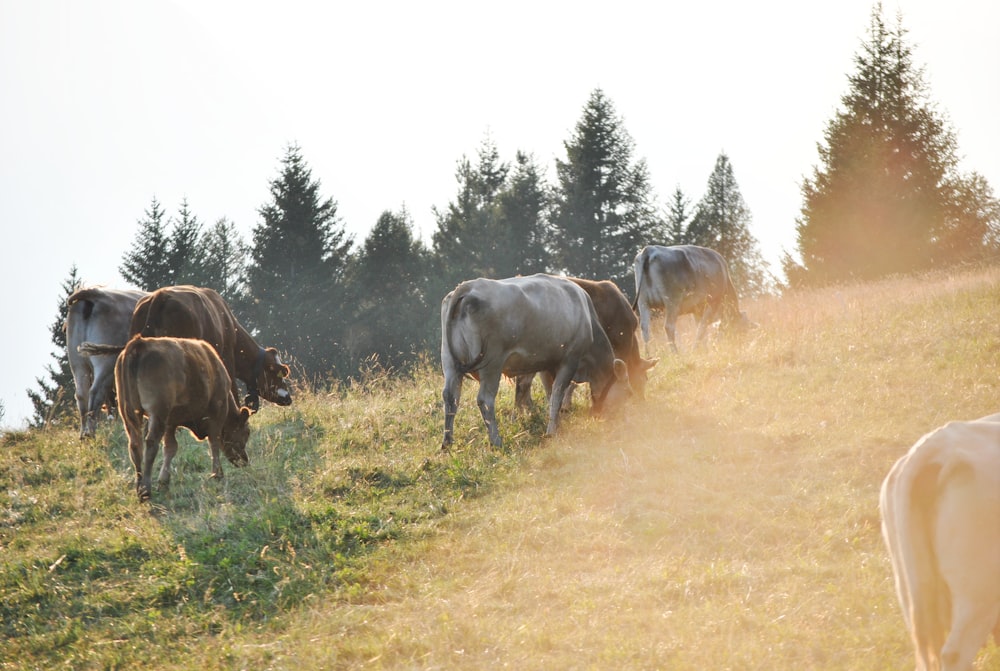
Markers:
535,324
684,279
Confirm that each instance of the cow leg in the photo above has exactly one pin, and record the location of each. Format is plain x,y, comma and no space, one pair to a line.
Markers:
83,407
644,324
169,451
214,442
562,380
98,396
670,325
489,385
133,427
522,391
452,394
708,315
154,433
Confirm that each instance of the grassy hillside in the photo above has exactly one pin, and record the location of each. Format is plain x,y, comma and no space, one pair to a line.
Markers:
729,522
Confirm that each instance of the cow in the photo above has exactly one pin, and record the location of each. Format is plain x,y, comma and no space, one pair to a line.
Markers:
175,382
684,279
619,323
186,311
521,325
98,315
940,506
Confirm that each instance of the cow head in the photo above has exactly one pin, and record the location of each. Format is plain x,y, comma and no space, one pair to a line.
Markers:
637,373
235,435
271,377
613,392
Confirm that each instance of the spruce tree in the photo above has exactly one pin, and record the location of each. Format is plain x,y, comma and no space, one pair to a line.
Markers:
887,196
147,265
678,217
721,221
185,256
523,212
394,318
224,260
54,403
603,212
295,290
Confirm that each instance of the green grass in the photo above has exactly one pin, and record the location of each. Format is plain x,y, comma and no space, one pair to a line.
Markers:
729,522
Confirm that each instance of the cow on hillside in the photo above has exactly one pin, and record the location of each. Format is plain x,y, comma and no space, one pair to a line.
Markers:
97,315
175,382
519,326
196,312
619,323
684,279
940,507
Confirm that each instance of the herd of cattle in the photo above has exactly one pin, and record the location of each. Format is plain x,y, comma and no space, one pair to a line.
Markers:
172,358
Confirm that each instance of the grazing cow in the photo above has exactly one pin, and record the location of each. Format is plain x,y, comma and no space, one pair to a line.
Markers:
523,325
98,315
175,382
685,279
940,508
196,312
619,323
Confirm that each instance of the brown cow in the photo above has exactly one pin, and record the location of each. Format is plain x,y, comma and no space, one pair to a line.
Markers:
175,382
620,323
197,312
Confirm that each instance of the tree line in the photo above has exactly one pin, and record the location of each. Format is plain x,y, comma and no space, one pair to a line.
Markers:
887,197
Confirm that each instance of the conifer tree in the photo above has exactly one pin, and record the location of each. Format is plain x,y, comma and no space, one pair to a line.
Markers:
603,212
54,402
888,196
185,256
147,265
678,217
224,260
524,207
296,293
721,222
394,318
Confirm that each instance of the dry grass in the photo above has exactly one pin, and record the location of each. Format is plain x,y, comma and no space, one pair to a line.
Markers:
729,522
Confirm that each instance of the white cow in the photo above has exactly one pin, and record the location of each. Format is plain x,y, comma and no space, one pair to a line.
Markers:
941,522
102,316
522,325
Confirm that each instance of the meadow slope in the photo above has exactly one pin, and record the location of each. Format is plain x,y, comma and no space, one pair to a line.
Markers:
728,522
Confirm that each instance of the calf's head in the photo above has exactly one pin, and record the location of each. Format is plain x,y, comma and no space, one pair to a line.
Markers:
235,435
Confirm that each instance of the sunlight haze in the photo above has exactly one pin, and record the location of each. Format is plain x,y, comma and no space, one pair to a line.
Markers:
109,104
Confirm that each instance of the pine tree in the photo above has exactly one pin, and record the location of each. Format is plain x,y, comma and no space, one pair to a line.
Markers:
55,402
722,221
603,212
224,260
888,191
147,264
678,217
298,258
185,256
470,233
523,210
394,317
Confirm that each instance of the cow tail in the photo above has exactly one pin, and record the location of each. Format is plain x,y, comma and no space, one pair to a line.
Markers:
459,303
99,349
908,499
640,274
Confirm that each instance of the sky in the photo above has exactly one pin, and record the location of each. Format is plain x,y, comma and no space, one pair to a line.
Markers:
107,104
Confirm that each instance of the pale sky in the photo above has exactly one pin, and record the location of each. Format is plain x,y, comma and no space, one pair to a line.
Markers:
107,104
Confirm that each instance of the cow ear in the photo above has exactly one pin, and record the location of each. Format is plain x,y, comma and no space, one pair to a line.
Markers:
621,370
649,363
245,413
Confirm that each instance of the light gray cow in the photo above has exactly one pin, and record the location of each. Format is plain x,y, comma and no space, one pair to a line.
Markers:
940,507
684,279
535,324
97,315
